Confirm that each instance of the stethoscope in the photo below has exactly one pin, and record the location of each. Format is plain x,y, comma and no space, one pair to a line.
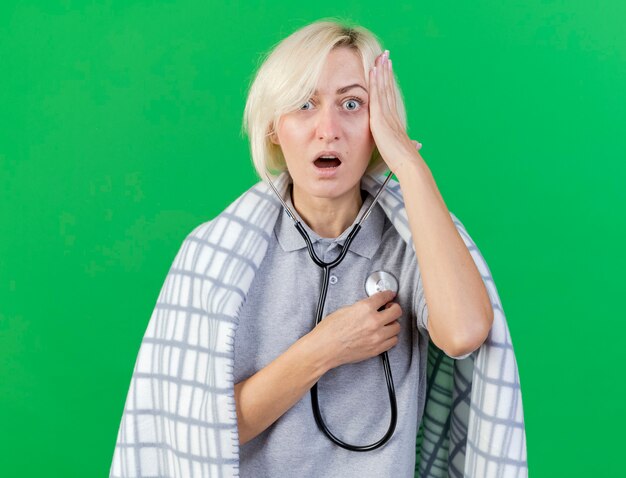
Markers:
376,282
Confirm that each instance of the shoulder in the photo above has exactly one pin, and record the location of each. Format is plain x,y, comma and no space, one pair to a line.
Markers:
239,229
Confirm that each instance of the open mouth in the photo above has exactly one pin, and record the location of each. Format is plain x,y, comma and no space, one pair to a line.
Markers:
327,162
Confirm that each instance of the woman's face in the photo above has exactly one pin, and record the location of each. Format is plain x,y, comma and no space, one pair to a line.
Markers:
334,122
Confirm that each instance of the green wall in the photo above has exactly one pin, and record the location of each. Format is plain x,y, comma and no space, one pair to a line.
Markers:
120,132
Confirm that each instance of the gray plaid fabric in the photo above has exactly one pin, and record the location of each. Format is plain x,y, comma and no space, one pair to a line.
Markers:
179,419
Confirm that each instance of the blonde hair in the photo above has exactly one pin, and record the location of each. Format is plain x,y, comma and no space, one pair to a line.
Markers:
288,77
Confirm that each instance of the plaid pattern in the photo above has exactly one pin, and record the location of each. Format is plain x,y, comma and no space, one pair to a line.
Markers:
179,419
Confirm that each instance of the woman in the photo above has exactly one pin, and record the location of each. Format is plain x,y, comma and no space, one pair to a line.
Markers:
232,349
353,115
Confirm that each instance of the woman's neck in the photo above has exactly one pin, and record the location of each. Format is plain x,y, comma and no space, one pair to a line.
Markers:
327,217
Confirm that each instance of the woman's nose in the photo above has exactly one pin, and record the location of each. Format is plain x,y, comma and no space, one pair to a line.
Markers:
328,124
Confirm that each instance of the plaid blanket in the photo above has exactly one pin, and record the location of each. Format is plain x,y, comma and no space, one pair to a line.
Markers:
179,419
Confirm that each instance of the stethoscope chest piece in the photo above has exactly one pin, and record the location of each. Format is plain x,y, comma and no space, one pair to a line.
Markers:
379,281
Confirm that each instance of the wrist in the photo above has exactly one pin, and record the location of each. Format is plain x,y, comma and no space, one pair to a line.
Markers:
316,353
412,168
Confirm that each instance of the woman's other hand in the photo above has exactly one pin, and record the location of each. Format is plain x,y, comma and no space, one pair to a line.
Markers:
359,331
391,138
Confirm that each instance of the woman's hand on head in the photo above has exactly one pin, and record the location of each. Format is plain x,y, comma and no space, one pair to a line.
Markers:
391,139
359,331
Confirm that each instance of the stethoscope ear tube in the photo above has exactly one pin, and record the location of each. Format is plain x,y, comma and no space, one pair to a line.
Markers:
326,267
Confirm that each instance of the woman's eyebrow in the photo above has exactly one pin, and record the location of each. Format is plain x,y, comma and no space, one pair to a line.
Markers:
343,89
349,87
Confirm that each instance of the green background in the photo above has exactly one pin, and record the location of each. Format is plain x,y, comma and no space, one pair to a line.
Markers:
120,132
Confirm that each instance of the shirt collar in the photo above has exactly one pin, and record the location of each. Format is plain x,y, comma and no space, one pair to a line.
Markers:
364,244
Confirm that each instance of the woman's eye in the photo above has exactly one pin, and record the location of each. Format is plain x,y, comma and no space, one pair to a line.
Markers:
352,104
303,106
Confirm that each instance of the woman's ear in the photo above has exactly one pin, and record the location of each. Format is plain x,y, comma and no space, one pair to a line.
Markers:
272,133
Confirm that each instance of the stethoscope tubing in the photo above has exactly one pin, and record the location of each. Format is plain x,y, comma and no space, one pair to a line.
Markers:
384,357
326,268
